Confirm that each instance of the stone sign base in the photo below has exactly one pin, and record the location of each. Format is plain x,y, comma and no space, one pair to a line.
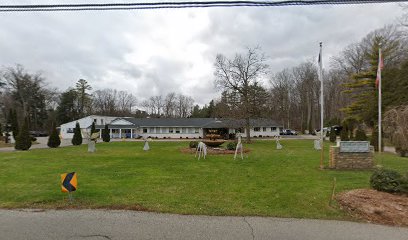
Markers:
351,160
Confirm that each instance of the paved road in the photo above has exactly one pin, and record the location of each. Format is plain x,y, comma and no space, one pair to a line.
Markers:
103,224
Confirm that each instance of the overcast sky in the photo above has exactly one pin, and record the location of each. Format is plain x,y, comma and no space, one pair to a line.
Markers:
152,52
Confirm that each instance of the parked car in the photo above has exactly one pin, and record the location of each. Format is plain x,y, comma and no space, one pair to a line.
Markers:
288,132
336,128
38,134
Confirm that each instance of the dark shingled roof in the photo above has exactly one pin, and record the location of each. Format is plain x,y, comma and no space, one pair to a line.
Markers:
193,122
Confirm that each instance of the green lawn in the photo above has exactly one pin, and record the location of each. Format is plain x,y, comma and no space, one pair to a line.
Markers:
268,182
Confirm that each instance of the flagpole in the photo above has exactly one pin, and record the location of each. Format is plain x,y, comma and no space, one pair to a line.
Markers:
379,99
321,106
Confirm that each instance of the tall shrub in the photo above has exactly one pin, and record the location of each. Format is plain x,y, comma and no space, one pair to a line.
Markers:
23,140
93,129
344,134
105,134
14,123
332,135
77,139
53,140
360,135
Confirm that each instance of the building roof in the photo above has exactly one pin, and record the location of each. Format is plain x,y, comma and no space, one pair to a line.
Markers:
192,122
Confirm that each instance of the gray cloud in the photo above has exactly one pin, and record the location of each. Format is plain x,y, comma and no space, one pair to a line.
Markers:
155,52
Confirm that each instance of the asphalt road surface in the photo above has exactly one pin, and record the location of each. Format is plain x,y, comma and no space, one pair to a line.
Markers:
104,224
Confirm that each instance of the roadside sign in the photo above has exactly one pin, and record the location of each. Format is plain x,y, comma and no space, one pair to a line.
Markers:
69,182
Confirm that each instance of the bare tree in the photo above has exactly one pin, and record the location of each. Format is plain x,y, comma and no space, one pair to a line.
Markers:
239,74
125,102
184,106
169,106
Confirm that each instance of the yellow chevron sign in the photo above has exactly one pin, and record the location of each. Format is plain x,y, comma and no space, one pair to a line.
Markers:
69,182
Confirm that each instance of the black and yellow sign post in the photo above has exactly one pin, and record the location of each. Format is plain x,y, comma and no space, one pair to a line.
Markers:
69,183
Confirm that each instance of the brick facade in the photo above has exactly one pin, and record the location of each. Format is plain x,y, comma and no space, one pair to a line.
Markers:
342,160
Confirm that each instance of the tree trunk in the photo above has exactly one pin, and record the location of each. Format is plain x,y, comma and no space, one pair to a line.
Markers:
248,129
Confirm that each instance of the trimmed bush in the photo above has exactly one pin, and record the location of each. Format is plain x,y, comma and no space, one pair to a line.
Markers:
106,134
332,136
193,144
53,140
232,145
77,139
385,180
23,140
403,187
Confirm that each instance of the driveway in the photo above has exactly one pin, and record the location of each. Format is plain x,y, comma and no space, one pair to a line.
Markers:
104,224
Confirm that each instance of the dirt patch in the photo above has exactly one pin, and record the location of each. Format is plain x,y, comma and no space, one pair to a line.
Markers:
213,151
375,206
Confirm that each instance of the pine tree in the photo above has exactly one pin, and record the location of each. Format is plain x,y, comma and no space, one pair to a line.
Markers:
23,140
93,129
77,139
14,123
332,135
360,135
105,134
53,140
344,134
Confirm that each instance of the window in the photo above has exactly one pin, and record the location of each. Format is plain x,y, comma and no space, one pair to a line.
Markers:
273,128
264,129
184,130
190,130
257,129
196,130
101,121
144,130
151,130
70,130
170,130
177,130
95,120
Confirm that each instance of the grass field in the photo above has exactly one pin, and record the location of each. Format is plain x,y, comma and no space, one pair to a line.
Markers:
268,182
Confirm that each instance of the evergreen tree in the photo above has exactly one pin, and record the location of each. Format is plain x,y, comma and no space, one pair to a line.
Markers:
344,134
105,134
14,123
53,140
93,129
23,140
77,139
360,135
332,135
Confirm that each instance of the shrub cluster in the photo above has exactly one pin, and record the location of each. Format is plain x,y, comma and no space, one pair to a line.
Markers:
387,180
193,144
232,145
